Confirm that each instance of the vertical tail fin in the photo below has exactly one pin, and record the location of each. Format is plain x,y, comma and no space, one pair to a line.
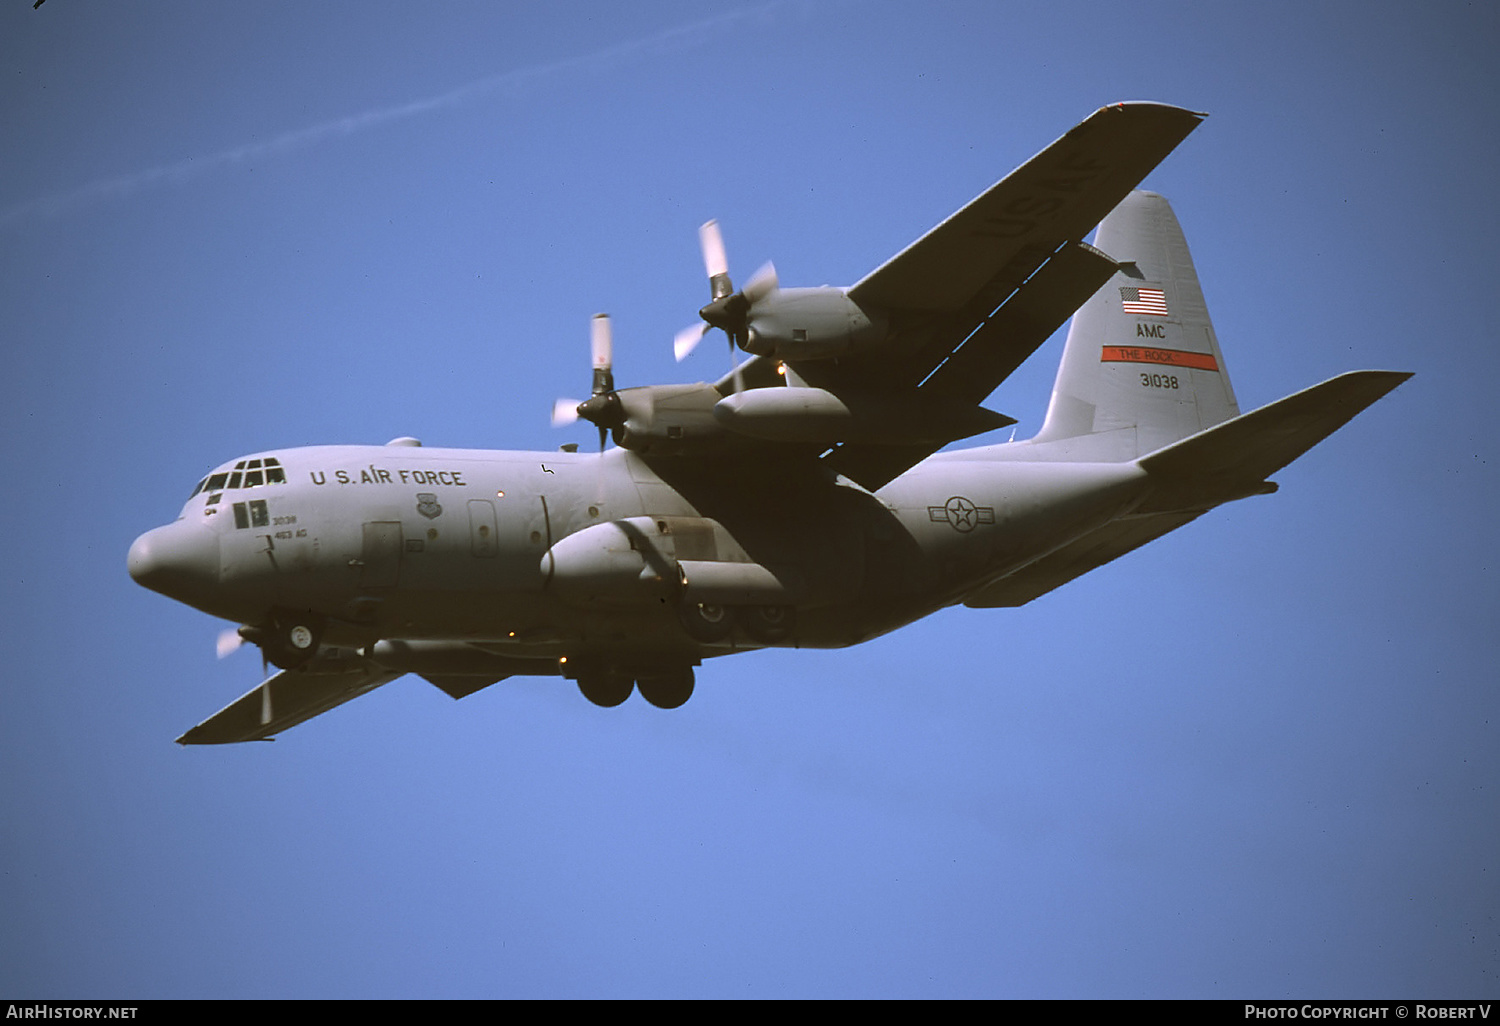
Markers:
1141,367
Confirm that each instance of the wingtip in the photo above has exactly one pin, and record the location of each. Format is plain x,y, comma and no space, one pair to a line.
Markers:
1154,105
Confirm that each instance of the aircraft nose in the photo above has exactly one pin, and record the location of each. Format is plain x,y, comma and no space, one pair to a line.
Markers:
179,560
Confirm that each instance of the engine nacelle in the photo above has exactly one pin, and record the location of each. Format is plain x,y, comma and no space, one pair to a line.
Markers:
816,416
637,559
810,324
666,418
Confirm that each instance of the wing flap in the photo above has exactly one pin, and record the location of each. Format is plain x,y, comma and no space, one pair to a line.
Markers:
1003,341
283,701
1026,320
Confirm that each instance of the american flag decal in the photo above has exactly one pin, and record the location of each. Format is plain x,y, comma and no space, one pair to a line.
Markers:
1144,301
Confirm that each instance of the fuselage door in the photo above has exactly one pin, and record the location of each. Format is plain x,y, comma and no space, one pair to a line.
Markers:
380,556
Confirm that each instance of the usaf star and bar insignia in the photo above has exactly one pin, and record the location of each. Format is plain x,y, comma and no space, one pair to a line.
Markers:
961,514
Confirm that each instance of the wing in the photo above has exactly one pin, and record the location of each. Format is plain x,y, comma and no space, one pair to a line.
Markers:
285,700
969,301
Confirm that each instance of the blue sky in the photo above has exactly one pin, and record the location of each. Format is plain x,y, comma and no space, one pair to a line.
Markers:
1257,758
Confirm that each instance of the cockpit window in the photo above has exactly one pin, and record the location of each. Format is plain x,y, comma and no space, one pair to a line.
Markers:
246,474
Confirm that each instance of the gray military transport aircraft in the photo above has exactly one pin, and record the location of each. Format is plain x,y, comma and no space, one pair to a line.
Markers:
797,502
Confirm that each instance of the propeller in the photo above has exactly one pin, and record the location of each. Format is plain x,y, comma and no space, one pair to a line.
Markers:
603,406
229,641
232,639
727,310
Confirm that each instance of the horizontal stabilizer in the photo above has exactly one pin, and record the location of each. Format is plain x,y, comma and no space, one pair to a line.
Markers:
1228,461
285,701
1225,461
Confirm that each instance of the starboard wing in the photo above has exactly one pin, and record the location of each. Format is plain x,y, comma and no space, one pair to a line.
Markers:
971,299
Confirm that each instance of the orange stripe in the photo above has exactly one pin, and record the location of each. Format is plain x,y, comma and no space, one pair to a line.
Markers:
1170,357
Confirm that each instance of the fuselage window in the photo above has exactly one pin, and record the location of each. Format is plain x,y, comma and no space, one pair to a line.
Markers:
251,514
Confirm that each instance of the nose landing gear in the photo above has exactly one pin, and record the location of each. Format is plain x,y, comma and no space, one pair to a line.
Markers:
290,639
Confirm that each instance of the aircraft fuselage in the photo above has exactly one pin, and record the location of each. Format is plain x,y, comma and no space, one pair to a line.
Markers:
561,555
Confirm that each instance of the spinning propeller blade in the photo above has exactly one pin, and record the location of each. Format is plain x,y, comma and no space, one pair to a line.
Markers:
727,310
602,407
229,640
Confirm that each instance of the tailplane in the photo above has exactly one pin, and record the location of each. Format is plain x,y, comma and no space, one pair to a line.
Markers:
1142,367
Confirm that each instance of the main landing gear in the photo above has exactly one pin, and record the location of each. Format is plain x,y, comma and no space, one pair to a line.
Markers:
663,688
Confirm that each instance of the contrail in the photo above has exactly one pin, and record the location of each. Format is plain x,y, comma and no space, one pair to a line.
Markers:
670,41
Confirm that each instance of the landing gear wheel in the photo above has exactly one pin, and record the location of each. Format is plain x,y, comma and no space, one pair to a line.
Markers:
605,688
768,624
292,639
705,621
666,689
